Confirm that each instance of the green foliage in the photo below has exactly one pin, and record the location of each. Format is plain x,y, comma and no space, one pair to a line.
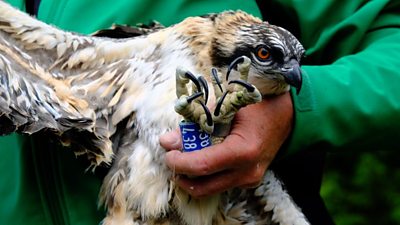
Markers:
364,188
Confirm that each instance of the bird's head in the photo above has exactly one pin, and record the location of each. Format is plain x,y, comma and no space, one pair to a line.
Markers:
274,52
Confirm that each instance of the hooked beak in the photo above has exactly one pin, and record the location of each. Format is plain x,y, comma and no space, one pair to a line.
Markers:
293,77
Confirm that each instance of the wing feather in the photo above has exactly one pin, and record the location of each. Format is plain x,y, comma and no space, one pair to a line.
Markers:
61,81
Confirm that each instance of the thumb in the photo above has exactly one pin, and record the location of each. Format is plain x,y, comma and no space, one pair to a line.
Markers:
171,140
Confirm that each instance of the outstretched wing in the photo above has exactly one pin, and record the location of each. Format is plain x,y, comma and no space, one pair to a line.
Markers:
64,82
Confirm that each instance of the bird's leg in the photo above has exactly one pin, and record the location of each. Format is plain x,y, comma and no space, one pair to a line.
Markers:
241,94
192,106
216,81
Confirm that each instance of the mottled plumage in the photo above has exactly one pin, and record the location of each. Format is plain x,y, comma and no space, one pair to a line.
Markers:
110,99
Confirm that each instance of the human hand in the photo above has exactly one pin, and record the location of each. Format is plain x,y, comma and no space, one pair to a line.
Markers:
258,131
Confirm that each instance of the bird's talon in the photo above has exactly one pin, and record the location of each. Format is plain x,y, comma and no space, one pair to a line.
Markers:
195,81
249,87
194,96
233,66
228,102
216,79
186,106
204,84
239,96
209,119
240,63
182,78
219,104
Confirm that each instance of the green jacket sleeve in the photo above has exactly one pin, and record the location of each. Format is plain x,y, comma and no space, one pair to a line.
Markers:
351,96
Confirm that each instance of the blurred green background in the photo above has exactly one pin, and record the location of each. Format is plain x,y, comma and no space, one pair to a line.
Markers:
362,189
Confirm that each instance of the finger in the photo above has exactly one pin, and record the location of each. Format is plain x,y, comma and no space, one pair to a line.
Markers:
219,182
171,140
207,185
212,159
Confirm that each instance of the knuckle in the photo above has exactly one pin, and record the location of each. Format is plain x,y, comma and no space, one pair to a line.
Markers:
258,175
251,153
254,177
202,168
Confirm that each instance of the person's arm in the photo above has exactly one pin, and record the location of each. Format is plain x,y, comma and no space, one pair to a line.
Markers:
354,102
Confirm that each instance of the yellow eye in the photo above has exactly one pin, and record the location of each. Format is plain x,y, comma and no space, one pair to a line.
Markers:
263,53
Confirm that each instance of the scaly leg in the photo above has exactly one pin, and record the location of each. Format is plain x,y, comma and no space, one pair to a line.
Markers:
193,106
241,95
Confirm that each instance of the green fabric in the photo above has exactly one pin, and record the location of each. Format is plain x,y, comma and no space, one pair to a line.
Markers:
89,16
350,100
43,184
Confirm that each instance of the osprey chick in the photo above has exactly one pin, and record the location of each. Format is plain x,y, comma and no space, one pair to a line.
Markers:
111,99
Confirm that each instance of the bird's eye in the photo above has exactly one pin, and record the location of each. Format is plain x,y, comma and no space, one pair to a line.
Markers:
263,53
